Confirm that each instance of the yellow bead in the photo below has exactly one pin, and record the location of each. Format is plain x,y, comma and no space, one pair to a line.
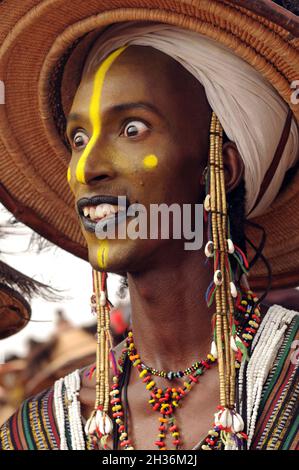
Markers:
247,336
116,407
213,433
135,363
143,373
158,395
164,405
161,435
188,386
152,400
204,447
211,357
175,403
150,385
130,334
175,434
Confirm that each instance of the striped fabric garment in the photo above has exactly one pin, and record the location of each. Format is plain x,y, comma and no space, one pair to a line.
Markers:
33,426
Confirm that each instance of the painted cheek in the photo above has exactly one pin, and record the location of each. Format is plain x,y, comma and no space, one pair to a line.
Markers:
150,162
102,254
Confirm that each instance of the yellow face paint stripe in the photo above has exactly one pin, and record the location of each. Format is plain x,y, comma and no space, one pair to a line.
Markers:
150,161
102,254
94,111
69,174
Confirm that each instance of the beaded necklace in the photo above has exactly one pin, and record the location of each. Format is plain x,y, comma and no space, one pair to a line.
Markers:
163,401
228,425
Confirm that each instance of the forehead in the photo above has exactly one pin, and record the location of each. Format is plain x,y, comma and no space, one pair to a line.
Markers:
138,73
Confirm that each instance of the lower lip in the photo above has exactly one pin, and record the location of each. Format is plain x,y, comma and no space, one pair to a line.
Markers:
105,223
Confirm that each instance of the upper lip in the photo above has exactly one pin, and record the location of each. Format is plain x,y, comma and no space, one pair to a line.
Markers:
97,200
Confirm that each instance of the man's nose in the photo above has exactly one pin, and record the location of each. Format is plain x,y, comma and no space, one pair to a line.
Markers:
94,167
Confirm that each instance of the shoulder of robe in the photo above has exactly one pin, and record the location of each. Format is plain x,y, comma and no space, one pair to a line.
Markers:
278,347
32,426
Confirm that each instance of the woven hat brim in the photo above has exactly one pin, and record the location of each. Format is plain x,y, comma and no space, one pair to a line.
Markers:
40,68
15,311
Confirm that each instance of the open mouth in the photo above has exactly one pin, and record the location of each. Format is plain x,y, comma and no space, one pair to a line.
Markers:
102,210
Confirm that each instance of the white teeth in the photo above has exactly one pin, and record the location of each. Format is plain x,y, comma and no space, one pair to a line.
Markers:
92,211
100,211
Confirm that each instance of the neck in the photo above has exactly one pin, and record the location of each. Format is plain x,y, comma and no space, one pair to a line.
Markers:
171,322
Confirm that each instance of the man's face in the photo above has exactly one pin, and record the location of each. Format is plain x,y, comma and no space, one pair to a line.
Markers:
139,128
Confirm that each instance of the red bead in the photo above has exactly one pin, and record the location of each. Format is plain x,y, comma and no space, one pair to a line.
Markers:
194,379
182,391
160,443
156,406
121,428
205,363
124,443
173,428
115,400
176,442
161,400
251,330
146,378
162,428
119,413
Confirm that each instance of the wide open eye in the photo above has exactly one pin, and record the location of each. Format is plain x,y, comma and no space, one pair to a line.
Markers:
80,140
135,129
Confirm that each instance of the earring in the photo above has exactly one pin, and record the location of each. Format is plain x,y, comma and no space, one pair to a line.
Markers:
229,345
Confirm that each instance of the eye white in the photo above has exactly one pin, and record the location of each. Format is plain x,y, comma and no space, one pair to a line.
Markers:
80,140
135,128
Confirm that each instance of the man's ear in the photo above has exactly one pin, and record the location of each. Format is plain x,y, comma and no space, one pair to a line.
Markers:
233,166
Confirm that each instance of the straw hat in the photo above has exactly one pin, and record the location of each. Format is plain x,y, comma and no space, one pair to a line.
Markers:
43,43
15,311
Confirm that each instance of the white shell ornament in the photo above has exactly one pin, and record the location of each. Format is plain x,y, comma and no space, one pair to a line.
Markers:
102,298
209,249
207,203
230,246
90,426
233,290
238,423
218,277
226,418
214,349
103,422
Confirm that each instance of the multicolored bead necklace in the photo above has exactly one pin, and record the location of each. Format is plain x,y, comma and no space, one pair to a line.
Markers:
163,401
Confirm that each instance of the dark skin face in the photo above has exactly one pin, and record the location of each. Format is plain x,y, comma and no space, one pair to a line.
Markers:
164,279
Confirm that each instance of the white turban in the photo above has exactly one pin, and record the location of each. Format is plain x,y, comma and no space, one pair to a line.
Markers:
250,110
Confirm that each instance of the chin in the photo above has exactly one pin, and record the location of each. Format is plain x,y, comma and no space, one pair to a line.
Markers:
113,256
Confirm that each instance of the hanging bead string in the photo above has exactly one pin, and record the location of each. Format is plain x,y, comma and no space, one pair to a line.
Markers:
226,344
99,425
